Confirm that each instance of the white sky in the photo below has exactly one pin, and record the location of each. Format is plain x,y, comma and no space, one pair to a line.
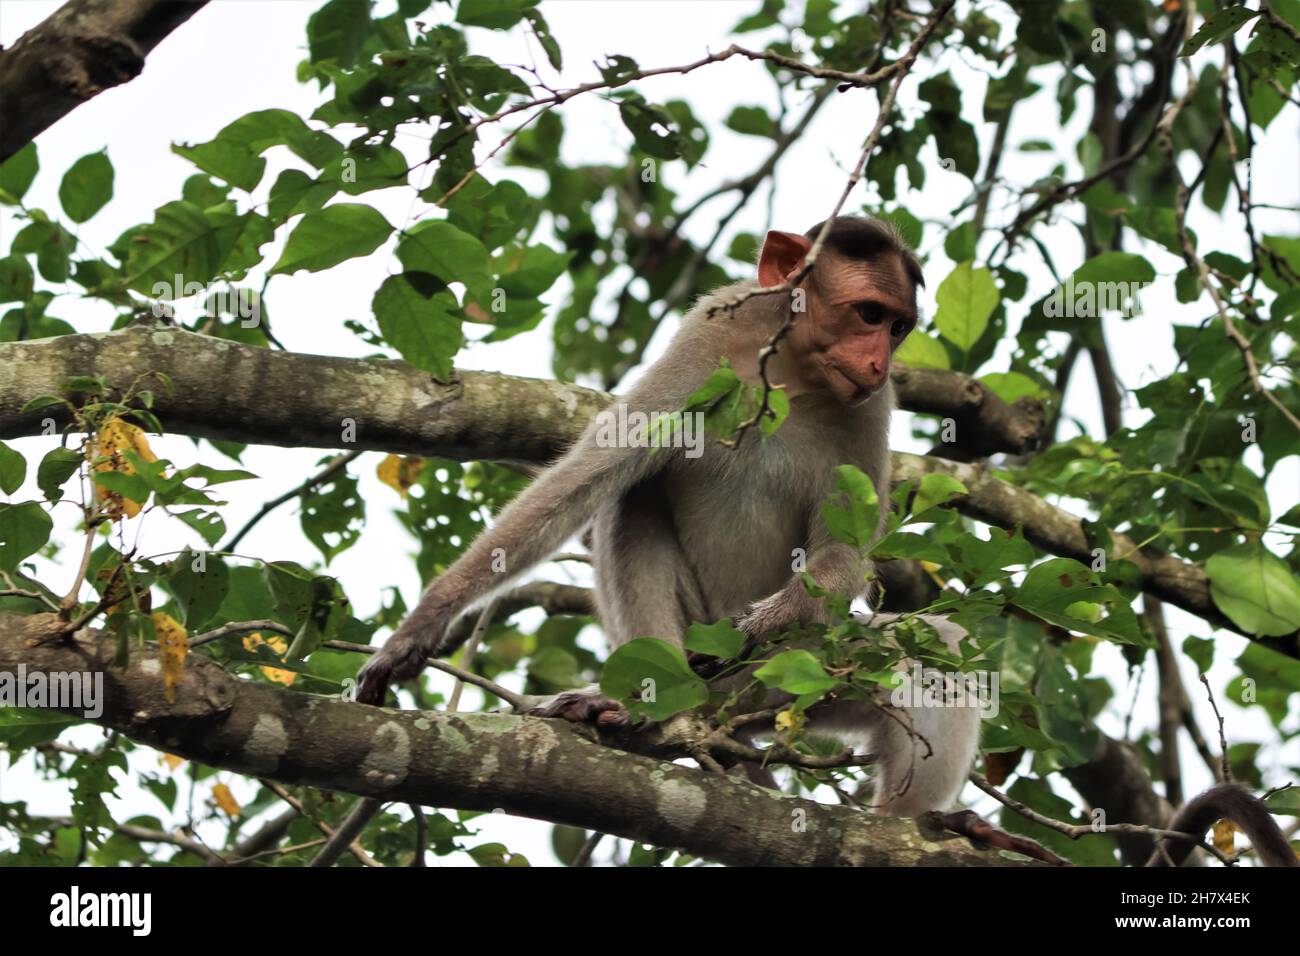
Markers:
236,56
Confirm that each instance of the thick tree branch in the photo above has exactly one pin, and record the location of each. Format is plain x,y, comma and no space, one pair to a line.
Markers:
985,423
1057,531
237,392
84,48
526,766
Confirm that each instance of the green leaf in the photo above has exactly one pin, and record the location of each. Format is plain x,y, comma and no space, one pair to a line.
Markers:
1064,592
778,403
920,350
13,469
207,523
796,672
966,299
529,271
856,524
338,31
332,235
24,529
133,487
58,465
917,547
719,640
440,249
1217,26
313,603
493,14
17,173
235,153
647,667
1201,651
959,244
333,515
752,121
1116,267
543,33
935,490
653,127
1010,386
87,186
16,279
1255,589
199,583
21,727
425,329
617,68
988,559
193,243
1284,801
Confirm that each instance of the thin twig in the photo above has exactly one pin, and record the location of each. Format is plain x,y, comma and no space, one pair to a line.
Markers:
237,627
901,68
332,467
1076,830
1223,741
471,648
354,848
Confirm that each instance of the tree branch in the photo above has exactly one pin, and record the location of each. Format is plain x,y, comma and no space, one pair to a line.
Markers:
1059,532
527,766
395,407
82,49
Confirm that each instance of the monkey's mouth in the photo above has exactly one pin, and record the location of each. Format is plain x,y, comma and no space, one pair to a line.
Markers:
856,393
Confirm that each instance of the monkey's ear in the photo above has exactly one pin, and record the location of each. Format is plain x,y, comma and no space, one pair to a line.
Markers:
782,254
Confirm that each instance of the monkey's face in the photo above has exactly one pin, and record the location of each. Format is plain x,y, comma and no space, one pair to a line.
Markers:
859,312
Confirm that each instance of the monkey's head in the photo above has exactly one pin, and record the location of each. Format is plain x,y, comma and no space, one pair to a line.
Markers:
858,303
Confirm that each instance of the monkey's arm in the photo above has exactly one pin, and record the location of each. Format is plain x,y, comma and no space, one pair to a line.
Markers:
1227,801
836,567
550,511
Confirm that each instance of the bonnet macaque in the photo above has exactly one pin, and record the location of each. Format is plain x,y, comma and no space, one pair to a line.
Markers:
678,538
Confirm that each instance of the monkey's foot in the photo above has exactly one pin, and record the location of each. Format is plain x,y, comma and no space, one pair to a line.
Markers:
584,707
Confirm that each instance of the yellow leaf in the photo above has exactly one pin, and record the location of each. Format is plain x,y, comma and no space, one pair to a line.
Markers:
174,645
787,720
105,451
225,800
278,644
172,761
1223,839
400,473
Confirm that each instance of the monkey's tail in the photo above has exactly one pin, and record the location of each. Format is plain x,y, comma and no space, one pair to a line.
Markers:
1233,802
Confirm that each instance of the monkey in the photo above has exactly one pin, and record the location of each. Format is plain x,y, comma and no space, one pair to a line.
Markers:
1226,801
677,539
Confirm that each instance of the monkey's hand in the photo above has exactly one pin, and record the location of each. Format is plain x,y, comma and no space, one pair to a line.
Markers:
403,656
791,605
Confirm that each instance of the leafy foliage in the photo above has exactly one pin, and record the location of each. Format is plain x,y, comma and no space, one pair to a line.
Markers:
604,250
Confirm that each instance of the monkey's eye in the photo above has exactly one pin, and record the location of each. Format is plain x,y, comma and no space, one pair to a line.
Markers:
870,313
899,328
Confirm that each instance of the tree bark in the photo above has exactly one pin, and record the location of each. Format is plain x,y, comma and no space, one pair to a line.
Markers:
237,392
82,49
